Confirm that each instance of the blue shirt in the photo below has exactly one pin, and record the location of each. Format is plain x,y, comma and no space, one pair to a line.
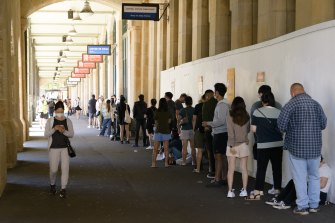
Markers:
303,119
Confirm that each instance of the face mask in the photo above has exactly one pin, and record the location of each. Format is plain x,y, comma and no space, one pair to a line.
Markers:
59,115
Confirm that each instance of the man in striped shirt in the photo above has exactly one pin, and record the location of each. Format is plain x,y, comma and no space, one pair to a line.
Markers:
303,120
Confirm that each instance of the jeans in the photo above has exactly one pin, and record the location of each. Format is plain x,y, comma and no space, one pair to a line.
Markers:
106,124
275,155
140,123
176,153
308,196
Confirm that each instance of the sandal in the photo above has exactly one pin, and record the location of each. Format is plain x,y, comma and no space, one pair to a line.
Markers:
253,197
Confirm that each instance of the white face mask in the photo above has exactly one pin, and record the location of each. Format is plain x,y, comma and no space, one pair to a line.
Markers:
59,115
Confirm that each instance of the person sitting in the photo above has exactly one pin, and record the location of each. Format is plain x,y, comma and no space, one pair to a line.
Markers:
175,145
287,196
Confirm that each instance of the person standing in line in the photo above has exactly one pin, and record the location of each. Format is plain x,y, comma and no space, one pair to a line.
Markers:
187,134
303,119
219,126
106,113
58,130
91,111
99,105
208,109
199,132
179,104
162,131
124,126
172,109
114,122
151,122
139,114
258,104
269,144
238,123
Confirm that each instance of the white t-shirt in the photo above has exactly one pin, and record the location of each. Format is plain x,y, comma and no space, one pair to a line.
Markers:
324,171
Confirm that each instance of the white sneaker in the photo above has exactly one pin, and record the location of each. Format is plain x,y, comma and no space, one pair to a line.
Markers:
243,193
281,206
273,191
149,147
231,194
89,126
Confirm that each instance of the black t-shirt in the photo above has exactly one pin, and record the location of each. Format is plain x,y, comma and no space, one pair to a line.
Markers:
91,106
150,116
198,113
58,139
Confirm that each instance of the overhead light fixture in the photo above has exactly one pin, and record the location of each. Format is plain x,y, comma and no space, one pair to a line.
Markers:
86,11
76,16
70,14
66,49
69,40
72,31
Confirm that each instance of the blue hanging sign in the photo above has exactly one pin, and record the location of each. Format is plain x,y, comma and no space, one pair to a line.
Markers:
140,11
99,49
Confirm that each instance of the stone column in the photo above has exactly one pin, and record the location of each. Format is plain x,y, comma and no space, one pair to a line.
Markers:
119,53
7,121
200,28
185,32
135,37
23,83
161,51
3,98
272,18
311,12
144,59
152,79
172,35
241,23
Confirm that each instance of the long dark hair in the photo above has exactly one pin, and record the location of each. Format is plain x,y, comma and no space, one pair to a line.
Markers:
238,112
163,105
108,104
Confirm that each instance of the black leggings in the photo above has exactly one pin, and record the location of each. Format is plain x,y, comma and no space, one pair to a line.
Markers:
275,155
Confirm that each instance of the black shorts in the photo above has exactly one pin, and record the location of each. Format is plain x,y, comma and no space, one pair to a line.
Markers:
44,115
220,143
91,115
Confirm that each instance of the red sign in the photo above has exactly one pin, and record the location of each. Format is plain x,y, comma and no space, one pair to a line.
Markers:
78,75
78,70
92,58
82,64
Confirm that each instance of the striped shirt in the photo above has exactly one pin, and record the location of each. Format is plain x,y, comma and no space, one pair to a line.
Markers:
303,120
265,119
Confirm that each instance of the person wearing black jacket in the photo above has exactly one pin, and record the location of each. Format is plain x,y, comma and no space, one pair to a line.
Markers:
139,111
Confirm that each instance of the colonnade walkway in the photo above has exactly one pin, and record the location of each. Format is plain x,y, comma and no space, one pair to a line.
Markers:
109,182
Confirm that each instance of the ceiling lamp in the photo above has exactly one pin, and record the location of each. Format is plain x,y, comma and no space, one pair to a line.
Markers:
66,49
86,11
69,40
76,16
72,31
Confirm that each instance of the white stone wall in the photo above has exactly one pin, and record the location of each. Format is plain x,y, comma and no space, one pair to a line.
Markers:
305,56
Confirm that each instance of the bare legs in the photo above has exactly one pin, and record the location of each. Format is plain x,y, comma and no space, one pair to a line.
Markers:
155,152
184,151
231,169
199,159
221,167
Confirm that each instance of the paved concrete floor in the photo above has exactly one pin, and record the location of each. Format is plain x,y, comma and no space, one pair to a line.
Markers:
109,182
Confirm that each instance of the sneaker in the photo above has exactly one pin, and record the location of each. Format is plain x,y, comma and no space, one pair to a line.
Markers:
62,193
127,142
214,183
210,175
121,142
135,150
243,193
52,189
273,191
300,211
231,194
281,206
135,145
89,126
314,210
272,202
149,148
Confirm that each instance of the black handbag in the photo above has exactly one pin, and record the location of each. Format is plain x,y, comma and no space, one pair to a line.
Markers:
70,149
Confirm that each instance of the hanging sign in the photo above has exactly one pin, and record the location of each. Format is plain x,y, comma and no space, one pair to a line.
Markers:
99,49
82,64
74,75
78,70
71,83
140,11
92,58
73,79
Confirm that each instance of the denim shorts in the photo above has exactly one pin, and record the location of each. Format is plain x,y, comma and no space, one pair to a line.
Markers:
161,137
